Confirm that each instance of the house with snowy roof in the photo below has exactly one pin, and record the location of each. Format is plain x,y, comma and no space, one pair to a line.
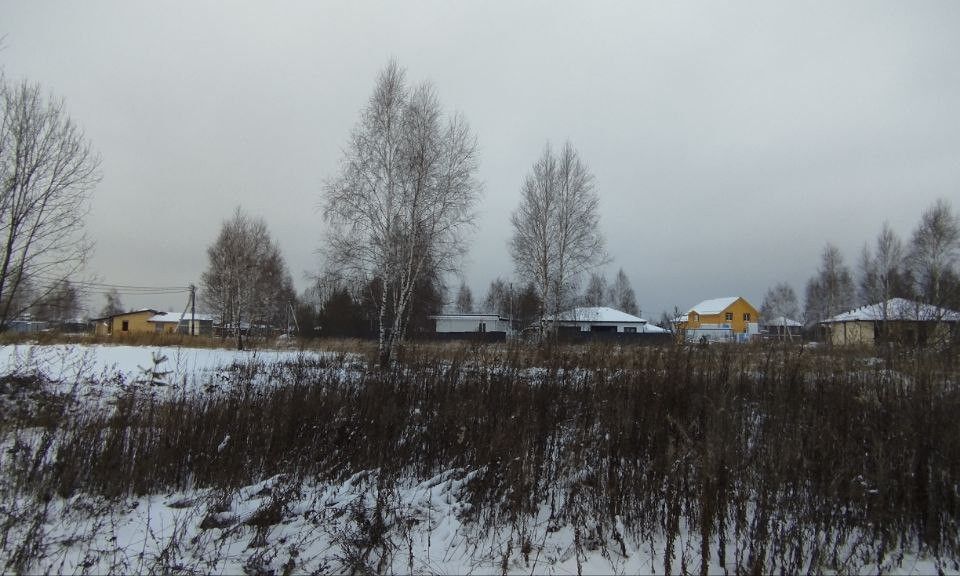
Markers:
593,320
895,320
718,320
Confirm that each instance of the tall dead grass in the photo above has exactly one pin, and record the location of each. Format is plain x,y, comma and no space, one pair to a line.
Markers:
780,458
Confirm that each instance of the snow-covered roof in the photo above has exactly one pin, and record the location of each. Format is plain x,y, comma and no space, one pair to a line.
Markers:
896,309
783,321
714,306
467,317
596,314
603,314
177,317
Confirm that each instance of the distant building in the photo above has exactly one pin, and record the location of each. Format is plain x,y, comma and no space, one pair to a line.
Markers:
182,323
602,319
136,322
27,326
896,320
488,327
782,328
730,319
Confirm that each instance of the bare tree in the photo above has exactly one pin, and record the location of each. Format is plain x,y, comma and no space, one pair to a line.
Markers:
113,305
59,305
499,298
780,300
596,293
622,296
935,253
556,234
47,172
404,195
831,291
246,280
882,271
464,299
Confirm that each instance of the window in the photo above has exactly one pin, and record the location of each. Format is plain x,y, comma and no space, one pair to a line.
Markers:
125,326
630,329
728,316
482,327
746,316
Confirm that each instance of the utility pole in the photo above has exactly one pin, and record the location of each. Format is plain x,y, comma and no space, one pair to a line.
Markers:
193,311
292,313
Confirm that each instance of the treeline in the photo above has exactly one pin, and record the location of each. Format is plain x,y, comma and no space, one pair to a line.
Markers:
925,268
332,308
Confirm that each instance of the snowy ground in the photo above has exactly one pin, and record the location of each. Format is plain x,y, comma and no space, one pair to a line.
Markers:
284,526
295,525
190,367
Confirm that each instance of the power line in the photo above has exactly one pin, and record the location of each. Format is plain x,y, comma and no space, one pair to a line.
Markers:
123,289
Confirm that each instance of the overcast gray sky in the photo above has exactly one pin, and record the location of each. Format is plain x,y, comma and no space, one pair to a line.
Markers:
729,140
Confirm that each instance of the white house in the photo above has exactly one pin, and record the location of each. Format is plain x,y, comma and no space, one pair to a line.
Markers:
603,319
463,323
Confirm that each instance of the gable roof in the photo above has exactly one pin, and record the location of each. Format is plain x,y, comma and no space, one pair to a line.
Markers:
714,306
899,309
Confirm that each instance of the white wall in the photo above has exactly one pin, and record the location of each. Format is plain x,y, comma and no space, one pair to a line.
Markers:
472,324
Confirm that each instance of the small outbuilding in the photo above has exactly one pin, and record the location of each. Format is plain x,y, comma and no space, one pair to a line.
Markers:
782,328
490,327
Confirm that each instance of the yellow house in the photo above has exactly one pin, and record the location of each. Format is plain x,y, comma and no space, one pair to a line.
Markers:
731,318
135,322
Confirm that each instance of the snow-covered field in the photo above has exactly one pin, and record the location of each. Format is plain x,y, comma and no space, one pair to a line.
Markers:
183,367
287,525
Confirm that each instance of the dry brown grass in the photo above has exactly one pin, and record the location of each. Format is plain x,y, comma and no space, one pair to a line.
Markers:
780,455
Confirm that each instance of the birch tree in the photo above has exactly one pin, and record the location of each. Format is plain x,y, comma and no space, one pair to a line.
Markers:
499,298
831,291
246,281
882,271
464,299
780,301
556,234
622,297
596,293
403,197
47,173
935,254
